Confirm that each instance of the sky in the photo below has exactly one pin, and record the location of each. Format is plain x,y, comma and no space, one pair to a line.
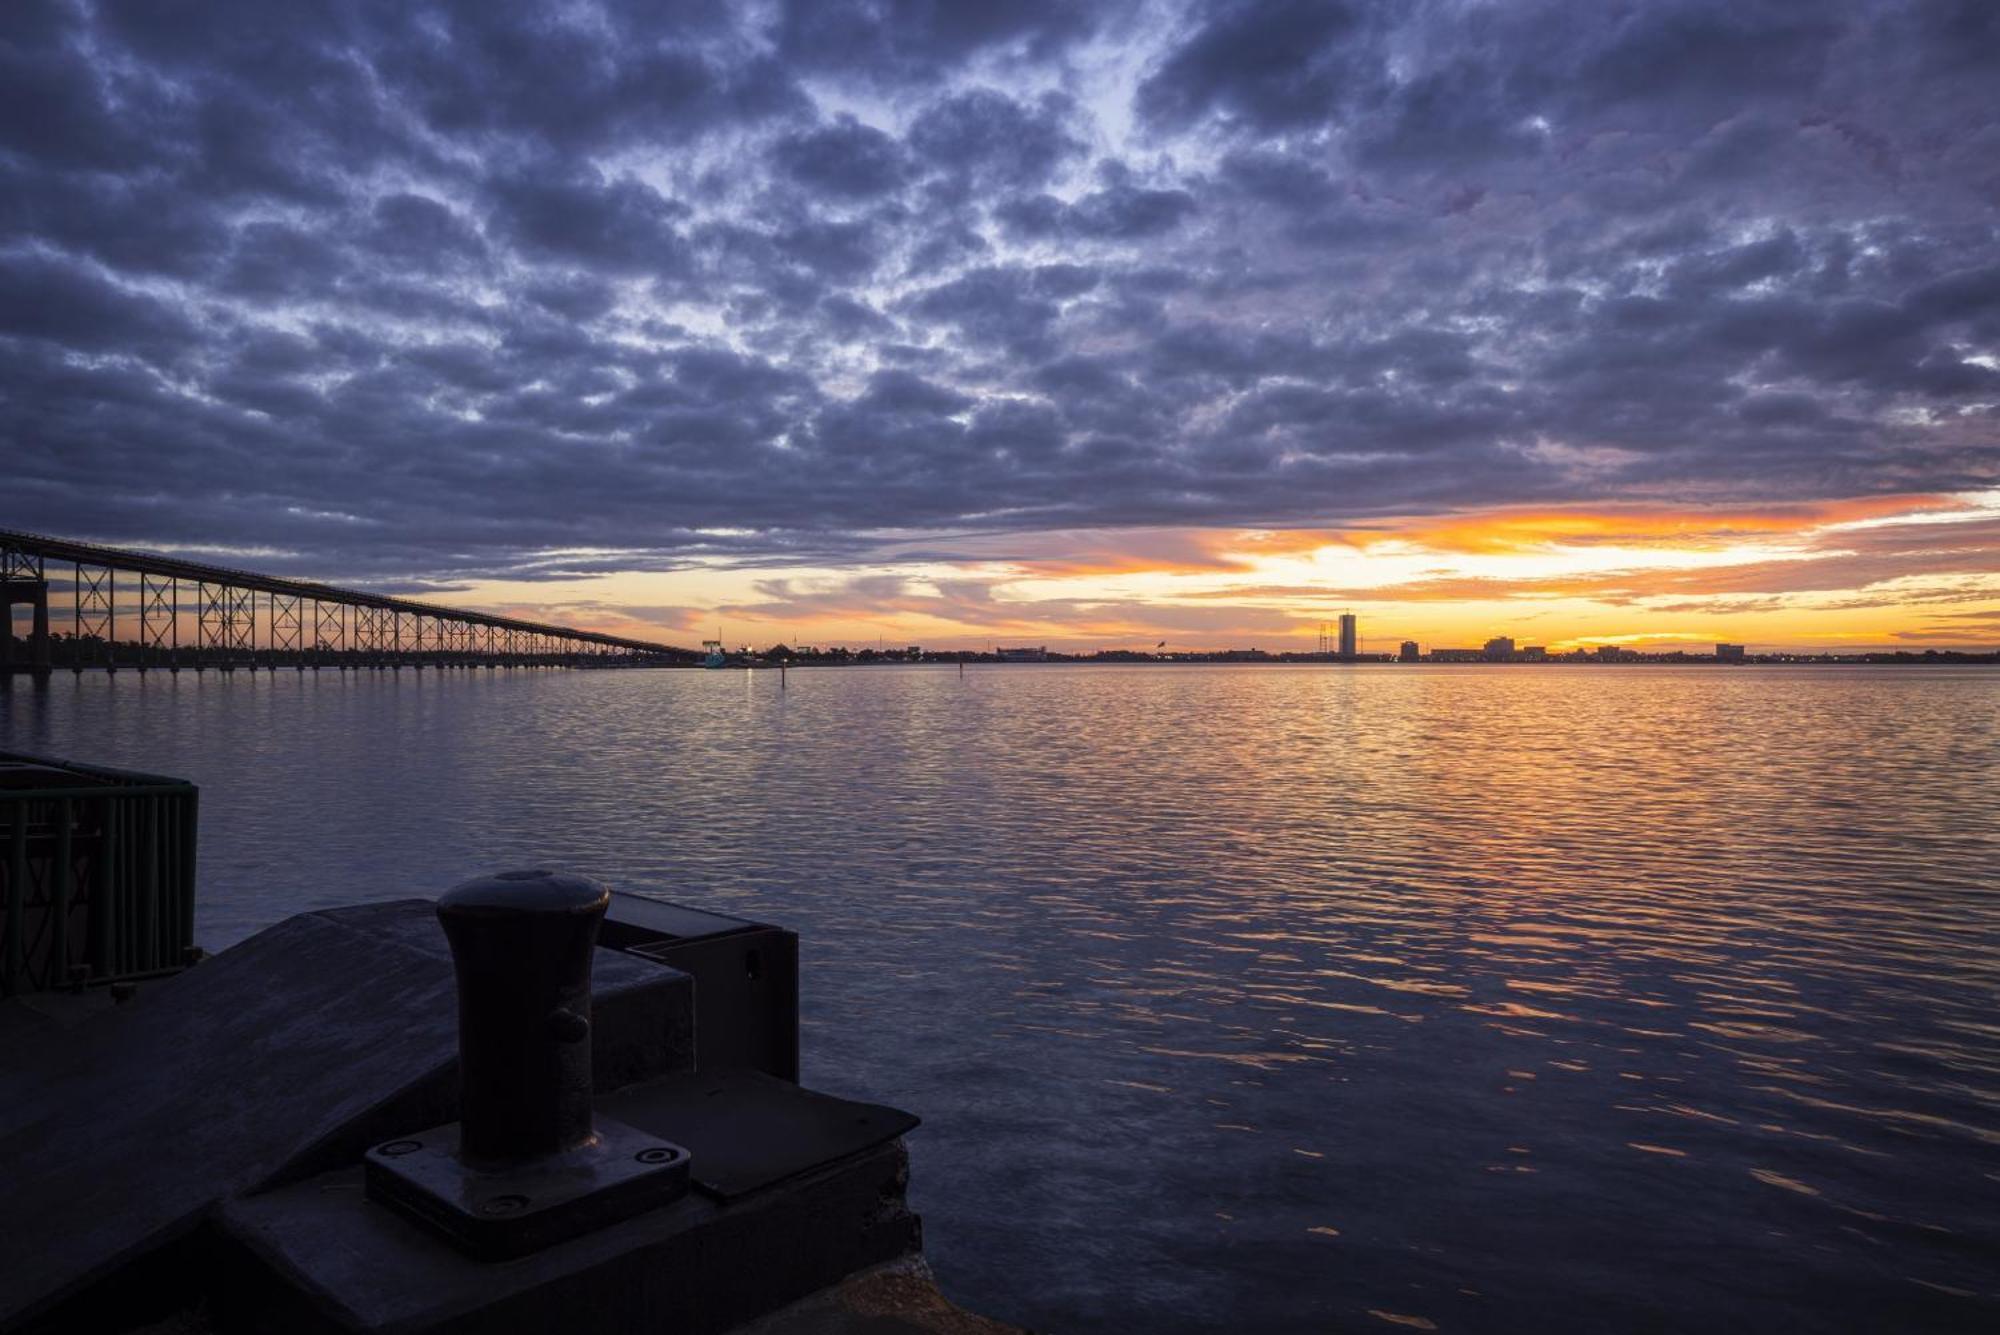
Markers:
1026,321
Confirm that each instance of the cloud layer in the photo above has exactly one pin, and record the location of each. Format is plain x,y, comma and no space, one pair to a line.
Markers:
523,289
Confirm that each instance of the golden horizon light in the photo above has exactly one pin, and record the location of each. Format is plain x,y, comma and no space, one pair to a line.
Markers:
1918,571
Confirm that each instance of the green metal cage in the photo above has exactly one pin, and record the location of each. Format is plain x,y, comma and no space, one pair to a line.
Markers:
97,873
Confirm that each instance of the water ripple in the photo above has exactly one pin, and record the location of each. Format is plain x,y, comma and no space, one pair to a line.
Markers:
1263,999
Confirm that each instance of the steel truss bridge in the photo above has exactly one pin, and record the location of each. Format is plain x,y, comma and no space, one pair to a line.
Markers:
140,610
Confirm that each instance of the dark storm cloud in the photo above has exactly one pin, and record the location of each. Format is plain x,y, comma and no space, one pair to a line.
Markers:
992,305
70,306
427,291
1119,212
613,225
991,139
893,41
1274,66
845,159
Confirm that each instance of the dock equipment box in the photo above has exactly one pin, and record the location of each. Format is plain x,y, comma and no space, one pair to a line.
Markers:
97,873
746,979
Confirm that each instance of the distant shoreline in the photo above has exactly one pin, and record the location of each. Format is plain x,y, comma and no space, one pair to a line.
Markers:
1253,658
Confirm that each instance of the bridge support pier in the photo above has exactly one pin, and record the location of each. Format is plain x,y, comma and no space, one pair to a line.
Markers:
36,593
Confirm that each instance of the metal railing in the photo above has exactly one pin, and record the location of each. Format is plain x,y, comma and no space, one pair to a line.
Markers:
97,874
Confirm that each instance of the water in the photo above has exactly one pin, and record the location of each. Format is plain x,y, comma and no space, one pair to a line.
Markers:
1262,999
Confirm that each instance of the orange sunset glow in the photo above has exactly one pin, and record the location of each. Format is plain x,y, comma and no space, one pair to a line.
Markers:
1919,571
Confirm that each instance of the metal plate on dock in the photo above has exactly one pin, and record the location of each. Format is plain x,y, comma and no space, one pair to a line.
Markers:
503,1212
747,1130
634,919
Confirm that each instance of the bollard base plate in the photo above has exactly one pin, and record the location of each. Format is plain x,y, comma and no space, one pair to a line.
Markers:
495,1214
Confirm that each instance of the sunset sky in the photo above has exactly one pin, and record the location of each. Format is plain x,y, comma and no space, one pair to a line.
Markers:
1028,321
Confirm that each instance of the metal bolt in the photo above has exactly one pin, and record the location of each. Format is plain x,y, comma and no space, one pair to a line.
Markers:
396,1149
657,1154
504,1205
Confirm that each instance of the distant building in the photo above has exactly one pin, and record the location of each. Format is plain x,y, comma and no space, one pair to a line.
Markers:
1038,654
1499,649
1409,653
1458,655
1532,653
1729,653
1349,639
1611,653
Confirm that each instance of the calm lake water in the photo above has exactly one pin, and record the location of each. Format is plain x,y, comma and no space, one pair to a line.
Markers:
1516,999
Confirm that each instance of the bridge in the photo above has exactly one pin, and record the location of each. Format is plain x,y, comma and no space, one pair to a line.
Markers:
186,614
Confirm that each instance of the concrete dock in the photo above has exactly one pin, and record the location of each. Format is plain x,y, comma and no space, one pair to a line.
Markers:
192,1159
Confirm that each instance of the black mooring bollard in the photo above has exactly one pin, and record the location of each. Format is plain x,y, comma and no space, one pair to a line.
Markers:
527,1164
521,943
